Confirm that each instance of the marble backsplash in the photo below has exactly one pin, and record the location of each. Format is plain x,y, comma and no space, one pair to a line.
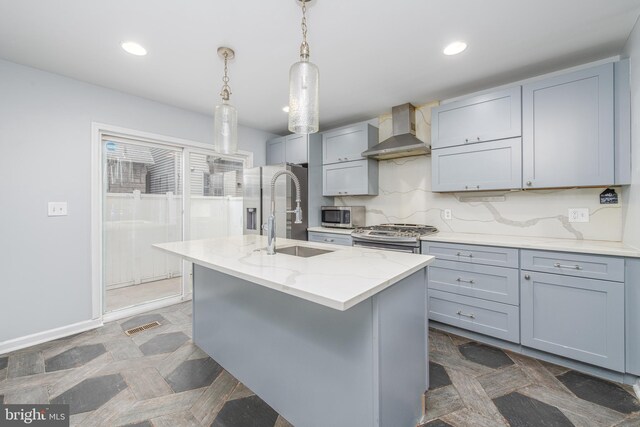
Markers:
405,197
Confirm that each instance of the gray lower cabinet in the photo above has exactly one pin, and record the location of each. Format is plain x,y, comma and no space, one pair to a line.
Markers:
475,254
486,117
485,317
333,238
568,129
359,177
574,317
498,284
632,301
495,165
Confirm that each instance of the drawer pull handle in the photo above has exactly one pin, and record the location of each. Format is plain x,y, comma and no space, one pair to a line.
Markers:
471,316
575,267
466,255
328,240
460,279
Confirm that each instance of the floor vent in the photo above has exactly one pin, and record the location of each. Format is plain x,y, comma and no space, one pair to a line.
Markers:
141,328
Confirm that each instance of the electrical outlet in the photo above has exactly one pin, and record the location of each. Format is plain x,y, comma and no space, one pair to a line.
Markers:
579,215
57,209
447,214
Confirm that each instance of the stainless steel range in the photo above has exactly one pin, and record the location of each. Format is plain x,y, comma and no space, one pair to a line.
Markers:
395,237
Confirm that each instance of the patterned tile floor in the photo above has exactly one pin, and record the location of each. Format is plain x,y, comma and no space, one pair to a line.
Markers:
160,378
476,385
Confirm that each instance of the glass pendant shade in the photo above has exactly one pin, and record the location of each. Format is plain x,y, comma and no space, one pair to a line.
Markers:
303,98
225,126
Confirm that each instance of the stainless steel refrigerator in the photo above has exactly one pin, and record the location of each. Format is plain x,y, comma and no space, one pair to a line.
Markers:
257,199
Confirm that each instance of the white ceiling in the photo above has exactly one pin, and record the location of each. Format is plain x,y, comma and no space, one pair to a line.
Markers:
372,54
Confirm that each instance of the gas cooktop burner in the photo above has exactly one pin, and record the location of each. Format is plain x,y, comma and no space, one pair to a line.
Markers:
394,232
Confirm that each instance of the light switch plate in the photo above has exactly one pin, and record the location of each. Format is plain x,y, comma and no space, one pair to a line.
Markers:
57,209
579,215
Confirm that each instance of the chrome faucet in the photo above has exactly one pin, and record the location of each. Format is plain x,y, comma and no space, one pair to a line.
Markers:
271,221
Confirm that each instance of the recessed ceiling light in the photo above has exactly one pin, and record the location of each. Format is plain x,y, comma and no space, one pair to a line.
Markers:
454,48
285,108
134,48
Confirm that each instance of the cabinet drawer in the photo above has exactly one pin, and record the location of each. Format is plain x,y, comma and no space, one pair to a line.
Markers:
574,317
488,255
590,266
495,165
498,284
485,317
335,239
487,117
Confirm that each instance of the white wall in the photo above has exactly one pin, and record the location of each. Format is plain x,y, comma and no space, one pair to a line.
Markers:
632,194
45,137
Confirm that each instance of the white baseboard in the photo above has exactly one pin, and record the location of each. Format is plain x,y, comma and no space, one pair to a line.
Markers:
143,308
52,334
636,388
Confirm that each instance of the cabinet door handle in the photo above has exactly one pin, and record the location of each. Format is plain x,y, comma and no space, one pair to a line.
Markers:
460,279
471,316
328,240
529,183
478,138
465,255
574,267
527,277
466,140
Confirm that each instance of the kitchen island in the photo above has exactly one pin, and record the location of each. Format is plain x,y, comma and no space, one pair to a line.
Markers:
338,338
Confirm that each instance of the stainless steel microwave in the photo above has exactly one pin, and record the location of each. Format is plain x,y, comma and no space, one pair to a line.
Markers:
343,216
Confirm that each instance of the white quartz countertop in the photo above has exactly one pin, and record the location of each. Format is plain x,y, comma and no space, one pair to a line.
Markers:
346,231
542,243
339,279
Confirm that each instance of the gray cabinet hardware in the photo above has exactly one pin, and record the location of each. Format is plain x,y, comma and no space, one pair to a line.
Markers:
465,255
460,279
529,183
471,316
527,277
575,267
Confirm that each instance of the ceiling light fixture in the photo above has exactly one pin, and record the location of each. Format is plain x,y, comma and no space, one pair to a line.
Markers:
225,123
133,48
303,87
455,48
285,108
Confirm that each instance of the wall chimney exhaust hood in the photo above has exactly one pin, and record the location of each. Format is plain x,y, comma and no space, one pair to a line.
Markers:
404,142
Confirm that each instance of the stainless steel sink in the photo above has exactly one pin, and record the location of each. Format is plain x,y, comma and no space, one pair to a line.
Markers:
302,251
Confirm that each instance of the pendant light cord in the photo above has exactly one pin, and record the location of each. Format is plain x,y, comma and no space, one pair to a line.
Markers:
304,47
226,90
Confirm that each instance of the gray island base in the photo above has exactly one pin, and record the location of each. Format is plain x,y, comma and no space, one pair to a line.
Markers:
315,365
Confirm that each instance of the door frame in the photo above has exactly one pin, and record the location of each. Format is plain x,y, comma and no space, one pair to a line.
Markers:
97,175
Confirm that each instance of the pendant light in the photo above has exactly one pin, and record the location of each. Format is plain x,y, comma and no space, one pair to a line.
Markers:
303,87
225,123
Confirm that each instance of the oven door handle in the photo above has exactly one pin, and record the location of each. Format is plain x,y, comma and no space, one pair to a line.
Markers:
408,250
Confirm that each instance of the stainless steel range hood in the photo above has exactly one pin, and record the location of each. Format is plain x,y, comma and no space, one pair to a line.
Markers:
404,142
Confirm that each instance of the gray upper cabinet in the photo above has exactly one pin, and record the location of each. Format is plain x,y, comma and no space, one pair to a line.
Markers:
355,178
275,151
568,129
495,165
296,150
347,143
345,172
487,117
292,148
